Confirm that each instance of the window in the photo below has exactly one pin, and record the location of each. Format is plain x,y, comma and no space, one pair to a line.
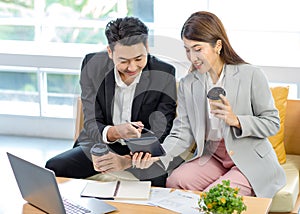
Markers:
43,43
19,91
52,28
38,92
66,21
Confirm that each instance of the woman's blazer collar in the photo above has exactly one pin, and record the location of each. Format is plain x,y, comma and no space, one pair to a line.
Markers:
231,86
232,82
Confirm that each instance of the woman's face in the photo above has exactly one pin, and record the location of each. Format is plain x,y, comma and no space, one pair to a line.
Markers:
202,55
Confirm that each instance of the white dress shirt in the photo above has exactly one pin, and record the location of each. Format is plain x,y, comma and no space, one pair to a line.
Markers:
215,126
124,95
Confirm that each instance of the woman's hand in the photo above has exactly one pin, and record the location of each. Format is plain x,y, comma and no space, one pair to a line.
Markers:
141,161
224,112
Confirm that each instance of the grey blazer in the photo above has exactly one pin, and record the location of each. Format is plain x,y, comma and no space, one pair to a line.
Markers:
251,100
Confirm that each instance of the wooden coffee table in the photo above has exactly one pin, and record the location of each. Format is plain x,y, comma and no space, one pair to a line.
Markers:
12,202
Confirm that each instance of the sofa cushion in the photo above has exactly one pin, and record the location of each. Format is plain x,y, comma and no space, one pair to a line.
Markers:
291,127
280,94
285,199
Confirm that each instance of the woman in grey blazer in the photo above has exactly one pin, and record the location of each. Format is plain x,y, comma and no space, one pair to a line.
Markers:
231,136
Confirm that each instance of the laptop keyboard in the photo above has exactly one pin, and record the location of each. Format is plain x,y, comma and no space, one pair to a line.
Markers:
73,208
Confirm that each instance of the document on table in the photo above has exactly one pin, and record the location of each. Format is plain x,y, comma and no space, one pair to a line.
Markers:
176,200
126,190
179,201
155,192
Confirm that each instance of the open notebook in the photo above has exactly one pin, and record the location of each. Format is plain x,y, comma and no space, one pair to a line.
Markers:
132,190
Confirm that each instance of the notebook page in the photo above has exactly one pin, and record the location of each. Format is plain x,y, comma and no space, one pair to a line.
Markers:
138,190
99,189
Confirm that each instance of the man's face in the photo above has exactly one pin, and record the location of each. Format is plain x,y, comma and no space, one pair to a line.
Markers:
129,60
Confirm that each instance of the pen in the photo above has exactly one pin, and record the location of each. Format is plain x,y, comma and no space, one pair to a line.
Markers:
136,126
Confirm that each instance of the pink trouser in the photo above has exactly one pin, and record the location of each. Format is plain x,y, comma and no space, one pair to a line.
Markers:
204,172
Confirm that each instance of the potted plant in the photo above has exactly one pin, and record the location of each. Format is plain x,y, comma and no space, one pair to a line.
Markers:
222,199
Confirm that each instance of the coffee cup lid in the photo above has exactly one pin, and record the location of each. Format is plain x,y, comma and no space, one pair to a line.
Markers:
214,93
99,149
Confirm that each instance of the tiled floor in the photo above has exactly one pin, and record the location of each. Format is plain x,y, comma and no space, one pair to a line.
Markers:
35,150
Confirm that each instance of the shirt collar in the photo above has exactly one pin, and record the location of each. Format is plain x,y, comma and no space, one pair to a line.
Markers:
220,81
119,81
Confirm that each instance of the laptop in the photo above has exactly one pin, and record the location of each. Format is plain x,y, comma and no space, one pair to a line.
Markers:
39,187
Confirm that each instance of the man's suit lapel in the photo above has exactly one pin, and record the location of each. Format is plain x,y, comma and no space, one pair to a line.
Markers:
109,95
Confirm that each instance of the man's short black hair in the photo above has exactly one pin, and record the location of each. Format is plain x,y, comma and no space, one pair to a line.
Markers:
126,31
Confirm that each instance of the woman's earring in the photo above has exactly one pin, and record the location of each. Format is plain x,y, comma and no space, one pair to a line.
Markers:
219,51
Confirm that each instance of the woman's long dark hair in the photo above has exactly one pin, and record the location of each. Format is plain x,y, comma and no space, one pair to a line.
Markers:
204,26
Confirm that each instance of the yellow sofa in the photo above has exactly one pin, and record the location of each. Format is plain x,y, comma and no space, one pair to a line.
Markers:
287,200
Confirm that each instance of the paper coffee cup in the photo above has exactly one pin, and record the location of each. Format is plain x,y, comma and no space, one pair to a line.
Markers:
98,150
214,96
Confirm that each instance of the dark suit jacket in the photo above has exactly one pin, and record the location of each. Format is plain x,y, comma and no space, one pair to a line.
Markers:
93,69
154,103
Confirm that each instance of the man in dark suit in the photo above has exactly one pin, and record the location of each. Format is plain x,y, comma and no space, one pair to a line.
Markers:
123,84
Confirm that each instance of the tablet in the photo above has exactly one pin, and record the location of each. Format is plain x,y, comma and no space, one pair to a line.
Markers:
146,144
